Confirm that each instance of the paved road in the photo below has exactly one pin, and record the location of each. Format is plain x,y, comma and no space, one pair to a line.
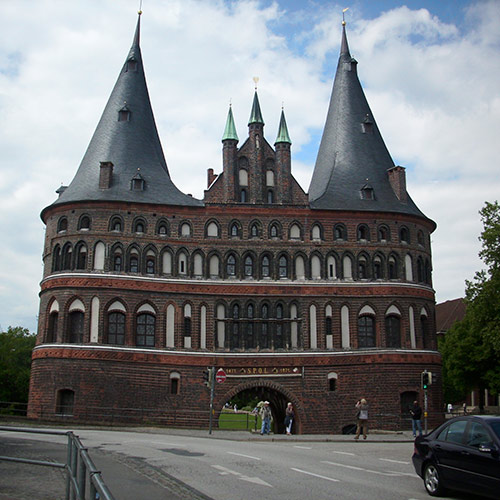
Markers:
159,464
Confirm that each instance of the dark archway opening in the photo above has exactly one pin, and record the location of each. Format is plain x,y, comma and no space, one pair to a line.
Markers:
277,401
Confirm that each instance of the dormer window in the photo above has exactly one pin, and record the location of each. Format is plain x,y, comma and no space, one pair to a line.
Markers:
367,125
131,65
124,114
367,192
137,183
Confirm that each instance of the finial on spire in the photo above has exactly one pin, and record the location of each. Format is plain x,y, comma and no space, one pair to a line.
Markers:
343,15
256,81
140,8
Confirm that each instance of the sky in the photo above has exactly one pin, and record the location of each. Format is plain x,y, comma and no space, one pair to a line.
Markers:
430,71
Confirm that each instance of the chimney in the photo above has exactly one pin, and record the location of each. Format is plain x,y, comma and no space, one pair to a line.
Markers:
105,175
210,177
397,178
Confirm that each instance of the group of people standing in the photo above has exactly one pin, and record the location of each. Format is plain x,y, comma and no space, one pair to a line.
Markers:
266,416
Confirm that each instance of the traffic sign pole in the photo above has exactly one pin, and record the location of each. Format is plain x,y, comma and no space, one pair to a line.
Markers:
212,390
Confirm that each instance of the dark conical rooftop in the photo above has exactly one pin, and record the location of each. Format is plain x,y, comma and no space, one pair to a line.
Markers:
256,115
283,130
127,137
352,152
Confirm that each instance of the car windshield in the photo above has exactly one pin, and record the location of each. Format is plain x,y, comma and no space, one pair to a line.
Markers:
496,427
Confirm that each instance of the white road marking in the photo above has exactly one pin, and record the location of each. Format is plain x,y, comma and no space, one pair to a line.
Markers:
315,475
364,470
344,453
303,447
394,461
241,455
224,471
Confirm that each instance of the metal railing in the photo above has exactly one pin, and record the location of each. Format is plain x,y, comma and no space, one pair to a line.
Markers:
79,467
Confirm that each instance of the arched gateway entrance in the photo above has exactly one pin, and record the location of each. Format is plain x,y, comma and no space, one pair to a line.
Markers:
277,396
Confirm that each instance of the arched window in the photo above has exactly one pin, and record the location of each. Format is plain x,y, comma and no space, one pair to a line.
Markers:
117,262
116,224
283,267
212,230
67,257
185,230
145,330
254,230
231,266
404,235
274,231
62,225
392,268
214,266
340,232
420,270
366,332
116,328
362,268
175,383
84,223
56,259
393,331
420,238
378,273
187,326
331,264
81,256
235,327
265,267
234,230
332,381
363,233
150,264
270,196
295,232
250,328
264,327
182,264
52,327
316,232
248,266
134,263
139,226
162,228
279,328
75,334
383,233
424,328
243,196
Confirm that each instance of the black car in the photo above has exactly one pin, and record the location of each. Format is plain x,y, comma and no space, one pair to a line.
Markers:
462,454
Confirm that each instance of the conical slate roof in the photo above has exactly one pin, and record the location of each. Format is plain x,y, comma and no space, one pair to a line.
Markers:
283,130
230,130
255,114
352,152
131,143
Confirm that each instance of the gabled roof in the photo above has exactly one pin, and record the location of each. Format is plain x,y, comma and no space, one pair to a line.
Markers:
448,313
352,152
130,144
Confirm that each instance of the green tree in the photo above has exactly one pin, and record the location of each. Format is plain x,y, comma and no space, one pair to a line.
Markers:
16,345
471,348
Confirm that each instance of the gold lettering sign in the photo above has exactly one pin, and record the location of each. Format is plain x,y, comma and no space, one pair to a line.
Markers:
263,371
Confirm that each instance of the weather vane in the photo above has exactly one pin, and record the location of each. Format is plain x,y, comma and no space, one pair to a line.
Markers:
343,15
256,81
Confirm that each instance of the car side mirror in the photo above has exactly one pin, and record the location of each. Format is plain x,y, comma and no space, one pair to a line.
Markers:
489,448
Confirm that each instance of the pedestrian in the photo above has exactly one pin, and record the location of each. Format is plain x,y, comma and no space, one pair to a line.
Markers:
416,419
449,408
362,418
464,407
265,414
289,415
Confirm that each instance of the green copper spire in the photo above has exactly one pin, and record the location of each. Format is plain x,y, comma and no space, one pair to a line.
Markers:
230,130
283,130
256,115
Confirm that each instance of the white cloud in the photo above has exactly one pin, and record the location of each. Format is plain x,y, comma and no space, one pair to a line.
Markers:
432,86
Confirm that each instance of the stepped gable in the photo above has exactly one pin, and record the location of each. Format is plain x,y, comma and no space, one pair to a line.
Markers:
127,138
352,154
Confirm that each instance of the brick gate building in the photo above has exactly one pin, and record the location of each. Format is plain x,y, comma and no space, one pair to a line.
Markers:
317,298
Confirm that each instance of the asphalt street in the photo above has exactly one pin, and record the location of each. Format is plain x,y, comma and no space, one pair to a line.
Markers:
154,464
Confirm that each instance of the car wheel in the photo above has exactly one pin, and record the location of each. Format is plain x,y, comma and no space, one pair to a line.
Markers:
432,480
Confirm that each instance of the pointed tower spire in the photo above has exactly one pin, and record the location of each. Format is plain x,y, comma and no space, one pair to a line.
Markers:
256,115
283,130
230,129
126,138
352,150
